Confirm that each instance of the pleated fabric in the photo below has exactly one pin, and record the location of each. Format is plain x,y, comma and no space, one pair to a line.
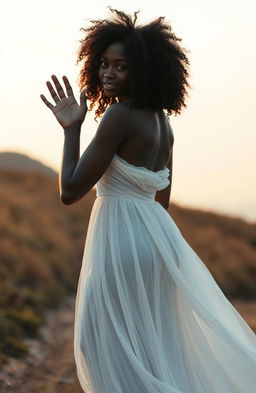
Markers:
150,318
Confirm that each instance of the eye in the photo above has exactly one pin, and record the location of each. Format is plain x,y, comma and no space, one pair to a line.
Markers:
121,67
103,64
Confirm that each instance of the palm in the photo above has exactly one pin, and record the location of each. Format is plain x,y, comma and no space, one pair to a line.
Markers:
66,109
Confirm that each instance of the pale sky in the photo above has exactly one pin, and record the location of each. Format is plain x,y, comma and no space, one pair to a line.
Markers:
215,137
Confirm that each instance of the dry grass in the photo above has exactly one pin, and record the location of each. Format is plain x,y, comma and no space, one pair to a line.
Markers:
42,243
226,245
40,253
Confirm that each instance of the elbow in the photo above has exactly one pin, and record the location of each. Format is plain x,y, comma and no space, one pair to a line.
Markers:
67,192
166,205
66,201
66,198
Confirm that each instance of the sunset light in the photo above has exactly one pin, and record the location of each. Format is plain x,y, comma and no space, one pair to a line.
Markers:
214,154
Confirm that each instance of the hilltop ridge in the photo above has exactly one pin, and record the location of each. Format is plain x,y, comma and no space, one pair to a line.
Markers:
23,163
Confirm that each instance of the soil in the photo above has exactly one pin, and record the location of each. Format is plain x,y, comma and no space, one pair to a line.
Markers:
50,367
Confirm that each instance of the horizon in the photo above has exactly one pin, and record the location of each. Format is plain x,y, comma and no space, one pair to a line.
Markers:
249,219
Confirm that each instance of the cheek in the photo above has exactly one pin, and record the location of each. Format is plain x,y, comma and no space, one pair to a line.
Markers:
125,88
124,77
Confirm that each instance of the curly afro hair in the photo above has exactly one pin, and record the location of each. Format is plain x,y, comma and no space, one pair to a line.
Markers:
158,66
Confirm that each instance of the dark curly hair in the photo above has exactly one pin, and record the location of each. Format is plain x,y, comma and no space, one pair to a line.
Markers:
158,66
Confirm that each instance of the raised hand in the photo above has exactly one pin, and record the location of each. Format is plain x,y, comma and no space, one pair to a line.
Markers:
66,109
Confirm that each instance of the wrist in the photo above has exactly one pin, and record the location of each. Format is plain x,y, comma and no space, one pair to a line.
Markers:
73,127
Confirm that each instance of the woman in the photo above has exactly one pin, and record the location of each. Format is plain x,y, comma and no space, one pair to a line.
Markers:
149,315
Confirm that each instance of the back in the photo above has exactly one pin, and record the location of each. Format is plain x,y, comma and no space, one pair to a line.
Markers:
150,139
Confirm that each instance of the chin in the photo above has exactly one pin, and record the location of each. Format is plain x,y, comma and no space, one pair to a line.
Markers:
110,95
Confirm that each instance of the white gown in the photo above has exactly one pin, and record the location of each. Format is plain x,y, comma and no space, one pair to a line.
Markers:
150,318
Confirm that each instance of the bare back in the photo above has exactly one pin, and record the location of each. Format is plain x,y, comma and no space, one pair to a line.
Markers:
151,140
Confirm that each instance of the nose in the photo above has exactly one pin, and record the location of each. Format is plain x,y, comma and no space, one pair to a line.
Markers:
109,72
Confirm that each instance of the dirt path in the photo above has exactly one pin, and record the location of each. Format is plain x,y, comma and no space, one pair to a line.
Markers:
50,367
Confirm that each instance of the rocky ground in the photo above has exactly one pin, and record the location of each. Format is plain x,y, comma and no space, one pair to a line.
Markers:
50,368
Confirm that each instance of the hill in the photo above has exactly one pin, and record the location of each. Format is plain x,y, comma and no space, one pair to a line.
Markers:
40,253
22,163
226,245
42,243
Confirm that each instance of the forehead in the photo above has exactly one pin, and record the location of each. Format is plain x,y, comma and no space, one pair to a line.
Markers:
115,51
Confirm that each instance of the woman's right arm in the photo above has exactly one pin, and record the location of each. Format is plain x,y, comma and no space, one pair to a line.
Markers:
163,196
79,174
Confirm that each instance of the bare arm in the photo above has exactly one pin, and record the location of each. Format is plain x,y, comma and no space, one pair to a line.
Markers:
79,174
163,196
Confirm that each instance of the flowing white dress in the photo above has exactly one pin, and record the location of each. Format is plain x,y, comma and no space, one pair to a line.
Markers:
150,318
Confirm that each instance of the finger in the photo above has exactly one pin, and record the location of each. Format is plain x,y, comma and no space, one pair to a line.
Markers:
58,86
47,103
83,98
68,86
52,92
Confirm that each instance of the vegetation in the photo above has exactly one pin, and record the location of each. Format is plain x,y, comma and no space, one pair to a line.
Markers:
42,243
226,245
40,253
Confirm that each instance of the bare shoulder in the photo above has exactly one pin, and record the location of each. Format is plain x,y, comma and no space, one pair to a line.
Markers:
169,127
115,123
117,112
171,134
114,127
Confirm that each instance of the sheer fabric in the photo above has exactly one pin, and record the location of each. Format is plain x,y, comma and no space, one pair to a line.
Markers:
150,318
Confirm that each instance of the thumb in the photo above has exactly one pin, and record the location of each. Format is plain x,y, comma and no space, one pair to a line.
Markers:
83,98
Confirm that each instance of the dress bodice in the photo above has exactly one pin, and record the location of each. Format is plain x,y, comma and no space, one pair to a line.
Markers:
133,182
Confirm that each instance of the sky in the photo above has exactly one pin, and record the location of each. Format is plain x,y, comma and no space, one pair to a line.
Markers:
215,136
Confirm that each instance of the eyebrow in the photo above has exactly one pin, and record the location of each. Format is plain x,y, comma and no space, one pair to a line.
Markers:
121,59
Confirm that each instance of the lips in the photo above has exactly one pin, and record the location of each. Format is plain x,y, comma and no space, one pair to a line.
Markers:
109,86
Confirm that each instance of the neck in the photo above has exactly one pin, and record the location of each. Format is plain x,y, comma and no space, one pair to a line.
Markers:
124,99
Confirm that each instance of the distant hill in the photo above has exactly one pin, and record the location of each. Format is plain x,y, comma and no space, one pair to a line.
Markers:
23,163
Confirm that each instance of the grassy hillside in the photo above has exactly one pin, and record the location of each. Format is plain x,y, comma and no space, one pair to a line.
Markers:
40,253
226,245
42,243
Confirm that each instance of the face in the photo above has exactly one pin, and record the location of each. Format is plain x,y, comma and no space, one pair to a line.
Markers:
113,71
